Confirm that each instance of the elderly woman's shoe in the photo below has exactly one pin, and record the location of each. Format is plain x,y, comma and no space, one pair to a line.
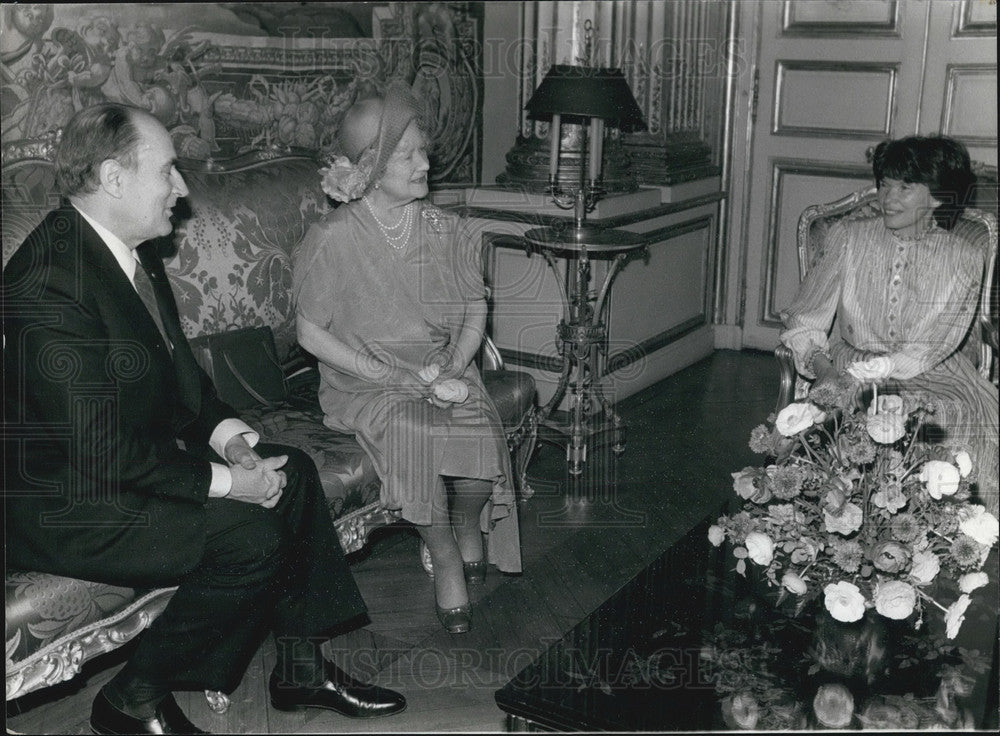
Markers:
456,620
475,572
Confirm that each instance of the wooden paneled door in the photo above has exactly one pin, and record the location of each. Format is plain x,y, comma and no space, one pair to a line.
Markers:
825,80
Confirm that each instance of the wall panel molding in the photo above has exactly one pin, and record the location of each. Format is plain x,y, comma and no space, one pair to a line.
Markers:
976,18
970,99
866,18
835,114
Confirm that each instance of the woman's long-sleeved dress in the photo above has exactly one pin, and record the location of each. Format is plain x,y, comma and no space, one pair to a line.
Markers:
912,300
403,307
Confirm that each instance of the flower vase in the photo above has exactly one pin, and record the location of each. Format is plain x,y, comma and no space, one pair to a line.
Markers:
854,652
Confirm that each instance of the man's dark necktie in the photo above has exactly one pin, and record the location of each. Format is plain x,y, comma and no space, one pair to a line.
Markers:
184,362
145,288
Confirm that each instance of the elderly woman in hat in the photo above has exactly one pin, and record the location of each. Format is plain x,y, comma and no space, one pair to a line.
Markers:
390,299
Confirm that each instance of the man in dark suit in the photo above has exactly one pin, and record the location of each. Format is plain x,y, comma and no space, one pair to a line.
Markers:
123,466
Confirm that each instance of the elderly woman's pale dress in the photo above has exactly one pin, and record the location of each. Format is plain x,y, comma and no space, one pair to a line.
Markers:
912,300
403,307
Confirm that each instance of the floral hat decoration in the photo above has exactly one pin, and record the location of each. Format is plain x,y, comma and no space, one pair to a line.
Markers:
370,131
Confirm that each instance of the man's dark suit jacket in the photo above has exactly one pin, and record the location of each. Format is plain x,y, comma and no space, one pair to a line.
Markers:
96,486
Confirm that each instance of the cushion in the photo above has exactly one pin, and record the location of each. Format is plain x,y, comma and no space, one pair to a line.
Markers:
513,393
348,476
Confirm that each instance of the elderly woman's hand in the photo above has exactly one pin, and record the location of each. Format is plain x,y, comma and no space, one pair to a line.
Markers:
452,390
429,373
443,391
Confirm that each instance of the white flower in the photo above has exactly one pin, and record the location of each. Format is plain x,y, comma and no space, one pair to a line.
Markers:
743,483
980,524
844,601
794,583
833,705
895,599
742,709
716,535
875,369
926,566
955,615
846,522
796,417
886,428
972,580
760,548
941,478
964,462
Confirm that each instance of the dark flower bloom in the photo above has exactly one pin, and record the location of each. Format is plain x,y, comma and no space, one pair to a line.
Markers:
761,441
965,551
786,482
890,557
741,524
857,448
847,555
905,527
837,394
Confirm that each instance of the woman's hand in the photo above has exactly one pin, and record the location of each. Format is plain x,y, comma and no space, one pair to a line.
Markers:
444,391
428,374
451,390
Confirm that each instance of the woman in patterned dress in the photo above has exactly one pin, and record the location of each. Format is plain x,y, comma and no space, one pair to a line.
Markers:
905,285
390,298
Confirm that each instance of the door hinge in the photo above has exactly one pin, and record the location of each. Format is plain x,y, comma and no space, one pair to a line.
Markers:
755,95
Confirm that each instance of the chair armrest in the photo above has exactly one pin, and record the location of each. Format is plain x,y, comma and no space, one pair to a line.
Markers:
786,371
990,350
491,358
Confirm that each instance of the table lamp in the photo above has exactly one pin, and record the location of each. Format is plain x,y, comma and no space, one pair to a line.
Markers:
592,97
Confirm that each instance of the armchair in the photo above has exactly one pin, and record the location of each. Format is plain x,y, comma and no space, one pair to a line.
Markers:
976,225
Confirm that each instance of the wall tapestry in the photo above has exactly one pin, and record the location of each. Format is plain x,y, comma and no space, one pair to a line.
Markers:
229,78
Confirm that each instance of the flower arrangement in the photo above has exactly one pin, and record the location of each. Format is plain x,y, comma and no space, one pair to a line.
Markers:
857,509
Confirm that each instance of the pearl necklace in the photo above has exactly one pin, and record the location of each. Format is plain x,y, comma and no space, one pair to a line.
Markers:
395,241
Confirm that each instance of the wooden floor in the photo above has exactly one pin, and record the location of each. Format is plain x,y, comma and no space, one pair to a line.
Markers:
685,436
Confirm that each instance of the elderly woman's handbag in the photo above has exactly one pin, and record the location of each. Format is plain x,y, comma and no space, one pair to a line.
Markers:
243,364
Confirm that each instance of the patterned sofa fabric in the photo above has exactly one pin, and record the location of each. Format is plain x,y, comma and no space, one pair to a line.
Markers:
348,476
232,251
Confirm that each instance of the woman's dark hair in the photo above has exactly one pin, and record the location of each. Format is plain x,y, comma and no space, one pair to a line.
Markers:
91,137
941,163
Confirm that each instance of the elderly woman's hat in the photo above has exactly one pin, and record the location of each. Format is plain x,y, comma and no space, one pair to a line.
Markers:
369,133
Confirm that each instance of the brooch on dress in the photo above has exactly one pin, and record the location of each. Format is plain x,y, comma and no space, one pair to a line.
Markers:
435,218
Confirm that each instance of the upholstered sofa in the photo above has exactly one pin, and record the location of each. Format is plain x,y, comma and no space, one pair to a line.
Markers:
231,268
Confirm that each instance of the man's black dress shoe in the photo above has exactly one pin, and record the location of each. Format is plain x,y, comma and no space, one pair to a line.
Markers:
339,692
168,718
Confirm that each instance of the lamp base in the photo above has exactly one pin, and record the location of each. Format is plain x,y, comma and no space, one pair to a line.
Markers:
590,237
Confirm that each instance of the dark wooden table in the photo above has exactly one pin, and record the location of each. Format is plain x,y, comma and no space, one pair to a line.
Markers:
637,662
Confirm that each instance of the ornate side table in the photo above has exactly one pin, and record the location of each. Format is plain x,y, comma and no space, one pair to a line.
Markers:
581,333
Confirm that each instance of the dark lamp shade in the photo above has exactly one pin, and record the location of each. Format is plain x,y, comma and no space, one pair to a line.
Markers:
586,91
